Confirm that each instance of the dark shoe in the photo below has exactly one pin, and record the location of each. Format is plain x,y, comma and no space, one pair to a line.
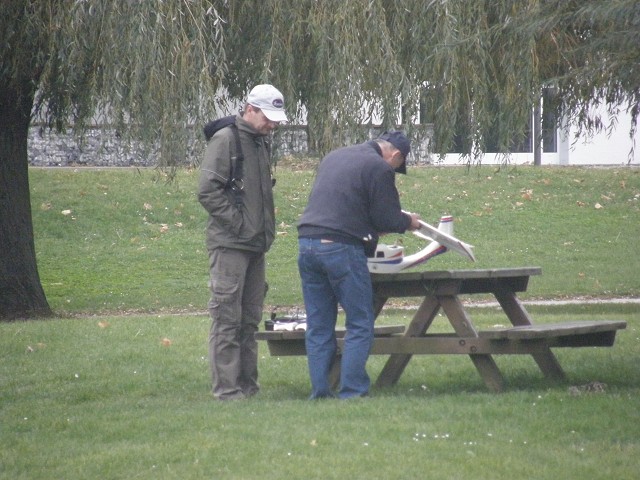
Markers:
230,397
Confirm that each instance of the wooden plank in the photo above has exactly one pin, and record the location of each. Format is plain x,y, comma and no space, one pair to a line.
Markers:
283,343
413,284
380,330
453,345
378,304
461,322
402,348
518,316
512,306
554,329
279,335
598,339
455,274
287,348
489,371
421,321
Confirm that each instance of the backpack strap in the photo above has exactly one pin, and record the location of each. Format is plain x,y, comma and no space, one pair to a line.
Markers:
235,182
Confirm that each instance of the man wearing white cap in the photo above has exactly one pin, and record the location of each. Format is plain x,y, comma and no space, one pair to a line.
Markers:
240,230
268,99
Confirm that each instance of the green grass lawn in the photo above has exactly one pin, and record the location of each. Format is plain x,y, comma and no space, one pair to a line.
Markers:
128,397
119,240
117,386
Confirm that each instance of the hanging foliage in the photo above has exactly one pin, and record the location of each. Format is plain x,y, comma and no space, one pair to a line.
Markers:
475,68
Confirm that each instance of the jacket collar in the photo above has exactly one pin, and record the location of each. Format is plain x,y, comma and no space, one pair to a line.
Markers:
375,146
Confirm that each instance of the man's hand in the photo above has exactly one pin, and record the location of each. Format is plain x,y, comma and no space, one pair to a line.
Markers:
415,221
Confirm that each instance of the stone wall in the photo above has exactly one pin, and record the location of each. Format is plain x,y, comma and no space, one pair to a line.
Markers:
102,147
98,147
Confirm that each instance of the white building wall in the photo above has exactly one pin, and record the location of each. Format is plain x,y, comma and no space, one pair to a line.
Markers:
601,149
613,148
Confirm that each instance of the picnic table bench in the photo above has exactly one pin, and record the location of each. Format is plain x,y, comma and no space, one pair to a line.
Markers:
440,290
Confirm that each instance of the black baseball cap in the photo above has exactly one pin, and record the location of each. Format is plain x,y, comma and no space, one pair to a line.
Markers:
402,143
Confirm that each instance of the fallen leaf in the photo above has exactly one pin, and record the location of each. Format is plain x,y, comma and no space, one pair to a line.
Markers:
597,206
166,342
45,206
103,324
528,194
147,206
164,228
39,346
66,212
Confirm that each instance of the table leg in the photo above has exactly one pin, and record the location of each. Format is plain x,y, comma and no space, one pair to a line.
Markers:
463,327
419,324
378,304
334,372
518,315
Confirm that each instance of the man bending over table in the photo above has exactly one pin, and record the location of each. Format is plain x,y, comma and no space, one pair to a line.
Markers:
353,200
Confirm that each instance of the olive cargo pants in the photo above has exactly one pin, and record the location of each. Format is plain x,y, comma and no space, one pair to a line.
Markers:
237,282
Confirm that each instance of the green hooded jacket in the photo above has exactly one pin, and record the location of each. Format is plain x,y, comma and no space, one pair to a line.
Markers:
251,225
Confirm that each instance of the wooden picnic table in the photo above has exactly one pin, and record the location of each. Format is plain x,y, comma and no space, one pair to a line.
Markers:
441,290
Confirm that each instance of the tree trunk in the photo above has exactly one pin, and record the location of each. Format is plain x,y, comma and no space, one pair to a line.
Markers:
21,293
537,134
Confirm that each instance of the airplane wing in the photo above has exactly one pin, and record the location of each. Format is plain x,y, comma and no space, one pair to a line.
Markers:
429,232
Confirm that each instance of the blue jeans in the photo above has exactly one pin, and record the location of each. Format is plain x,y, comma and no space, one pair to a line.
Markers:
334,273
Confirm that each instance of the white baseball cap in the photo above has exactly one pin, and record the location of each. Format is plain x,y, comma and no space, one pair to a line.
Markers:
268,99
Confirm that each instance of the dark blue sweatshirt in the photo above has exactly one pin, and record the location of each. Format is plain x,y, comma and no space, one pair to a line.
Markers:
354,197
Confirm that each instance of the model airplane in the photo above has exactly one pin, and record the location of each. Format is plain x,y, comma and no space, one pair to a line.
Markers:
391,259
